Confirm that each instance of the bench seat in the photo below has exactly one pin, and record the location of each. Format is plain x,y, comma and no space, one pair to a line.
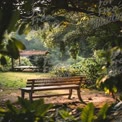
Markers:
51,87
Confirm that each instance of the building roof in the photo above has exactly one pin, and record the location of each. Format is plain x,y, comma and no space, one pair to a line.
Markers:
32,52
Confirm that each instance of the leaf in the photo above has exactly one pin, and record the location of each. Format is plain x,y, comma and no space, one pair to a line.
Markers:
66,115
87,114
106,89
12,49
11,107
14,18
27,29
26,104
37,107
18,44
114,89
2,110
21,28
40,107
102,112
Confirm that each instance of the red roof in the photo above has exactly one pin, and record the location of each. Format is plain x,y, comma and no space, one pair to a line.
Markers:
32,52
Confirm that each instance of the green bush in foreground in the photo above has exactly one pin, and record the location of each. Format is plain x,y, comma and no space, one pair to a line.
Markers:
26,112
38,111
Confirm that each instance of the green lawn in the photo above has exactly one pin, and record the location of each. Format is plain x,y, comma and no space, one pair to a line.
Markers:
18,79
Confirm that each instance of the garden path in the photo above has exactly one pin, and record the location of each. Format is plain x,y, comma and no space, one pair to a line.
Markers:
99,98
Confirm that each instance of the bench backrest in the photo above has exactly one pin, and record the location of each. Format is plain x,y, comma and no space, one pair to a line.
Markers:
54,81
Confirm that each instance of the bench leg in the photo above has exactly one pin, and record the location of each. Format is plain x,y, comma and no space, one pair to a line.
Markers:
22,94
70,93
79,96
30,96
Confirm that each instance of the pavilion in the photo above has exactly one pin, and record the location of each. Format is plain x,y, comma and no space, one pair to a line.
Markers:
27,53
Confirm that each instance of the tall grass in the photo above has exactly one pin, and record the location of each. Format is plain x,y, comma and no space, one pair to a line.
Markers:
18,79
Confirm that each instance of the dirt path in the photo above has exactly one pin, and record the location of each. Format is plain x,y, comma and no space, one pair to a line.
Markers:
94,96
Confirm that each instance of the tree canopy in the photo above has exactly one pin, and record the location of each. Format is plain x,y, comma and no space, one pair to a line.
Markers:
24,15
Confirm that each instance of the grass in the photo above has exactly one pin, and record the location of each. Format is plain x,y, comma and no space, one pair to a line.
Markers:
18,79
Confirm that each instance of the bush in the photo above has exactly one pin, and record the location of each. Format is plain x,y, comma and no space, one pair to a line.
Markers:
91,67
24,61
7,66
111,81
26,111
42,62
64,70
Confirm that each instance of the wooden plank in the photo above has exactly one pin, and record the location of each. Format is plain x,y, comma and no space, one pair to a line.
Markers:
50,95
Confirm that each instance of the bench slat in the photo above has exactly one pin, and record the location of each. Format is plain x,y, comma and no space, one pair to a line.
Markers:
51,87
53,81
56,84
36,84
51,95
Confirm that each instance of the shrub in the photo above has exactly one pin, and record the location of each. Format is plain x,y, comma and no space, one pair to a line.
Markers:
111,81
91,67
26,111
42,62
24,61
64,70
7,66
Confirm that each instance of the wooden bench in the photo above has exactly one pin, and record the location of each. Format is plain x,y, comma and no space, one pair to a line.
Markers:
57,83
21,68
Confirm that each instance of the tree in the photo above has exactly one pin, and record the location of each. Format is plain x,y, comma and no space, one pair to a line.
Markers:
25,14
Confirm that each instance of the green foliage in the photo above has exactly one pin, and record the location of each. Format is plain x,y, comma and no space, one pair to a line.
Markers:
37,111
62,35
59,30
42,62
108,84
102,114
111,80
3,60
87,114
10,47
27,112
23,28
67,116
91,67
64,70
14,18
6,65
37,60
105,37
24,62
